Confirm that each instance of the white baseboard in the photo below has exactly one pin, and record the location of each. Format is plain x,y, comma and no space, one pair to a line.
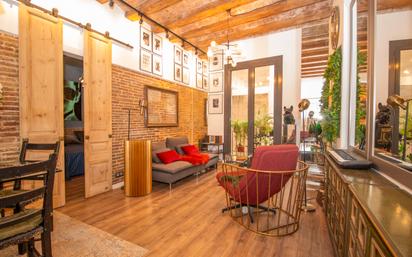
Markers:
118,185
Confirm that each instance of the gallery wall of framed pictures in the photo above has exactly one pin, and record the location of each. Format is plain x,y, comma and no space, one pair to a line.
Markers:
151,52
202,74
216,80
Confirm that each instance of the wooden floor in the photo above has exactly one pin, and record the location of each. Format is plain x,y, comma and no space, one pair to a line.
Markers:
187,222
74,188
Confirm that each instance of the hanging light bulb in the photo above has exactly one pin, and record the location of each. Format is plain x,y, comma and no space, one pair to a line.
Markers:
234,63
213,43
209,52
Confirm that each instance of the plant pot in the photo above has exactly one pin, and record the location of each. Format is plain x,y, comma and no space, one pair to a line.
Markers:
240,148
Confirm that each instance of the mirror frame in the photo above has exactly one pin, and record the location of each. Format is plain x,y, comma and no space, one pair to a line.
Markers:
391,171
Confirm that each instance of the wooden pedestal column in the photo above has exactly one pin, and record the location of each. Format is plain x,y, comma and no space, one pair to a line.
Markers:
138,167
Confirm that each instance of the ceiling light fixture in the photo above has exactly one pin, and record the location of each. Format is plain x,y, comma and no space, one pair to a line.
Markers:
231,51
141,19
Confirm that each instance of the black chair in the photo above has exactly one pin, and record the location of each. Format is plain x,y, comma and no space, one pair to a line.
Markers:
26,146
24,226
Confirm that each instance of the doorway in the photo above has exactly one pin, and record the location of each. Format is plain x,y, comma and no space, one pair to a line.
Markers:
73,127
253,106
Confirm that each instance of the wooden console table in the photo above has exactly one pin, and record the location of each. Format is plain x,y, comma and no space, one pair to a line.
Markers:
367,215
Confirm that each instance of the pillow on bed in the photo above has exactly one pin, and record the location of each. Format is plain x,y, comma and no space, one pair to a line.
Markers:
80,135
71,139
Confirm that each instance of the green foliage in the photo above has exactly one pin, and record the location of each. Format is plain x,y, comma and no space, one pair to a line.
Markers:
331,97
360,129
240,129
263,130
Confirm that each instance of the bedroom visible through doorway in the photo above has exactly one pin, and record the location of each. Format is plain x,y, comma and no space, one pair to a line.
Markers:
73,128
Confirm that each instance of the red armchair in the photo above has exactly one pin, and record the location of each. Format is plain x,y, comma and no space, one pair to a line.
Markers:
272,186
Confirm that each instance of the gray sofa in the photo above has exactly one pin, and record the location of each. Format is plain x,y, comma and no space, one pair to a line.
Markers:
172,172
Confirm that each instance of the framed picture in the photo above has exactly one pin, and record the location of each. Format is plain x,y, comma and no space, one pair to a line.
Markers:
204,67
186,76
178,55
185,59
157,45
145,38
145,60
178,72
216,82
215,103
216,61
161,99
199,66
199,82
157,65
205,83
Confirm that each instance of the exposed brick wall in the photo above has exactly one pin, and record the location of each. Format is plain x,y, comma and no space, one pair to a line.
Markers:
128,89
9,105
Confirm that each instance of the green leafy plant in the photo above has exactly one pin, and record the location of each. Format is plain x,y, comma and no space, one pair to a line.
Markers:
331,97
240,129
263,130
360,129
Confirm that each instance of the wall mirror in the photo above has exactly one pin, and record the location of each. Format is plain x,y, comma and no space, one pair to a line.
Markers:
358,74
162,107
392,110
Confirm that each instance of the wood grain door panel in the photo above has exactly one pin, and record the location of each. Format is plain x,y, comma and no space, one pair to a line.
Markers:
97,113
41,86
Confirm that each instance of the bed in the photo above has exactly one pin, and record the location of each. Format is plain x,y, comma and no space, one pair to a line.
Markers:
74,160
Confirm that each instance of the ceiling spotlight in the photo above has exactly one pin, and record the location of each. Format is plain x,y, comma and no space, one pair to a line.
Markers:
213,43
111,3
183,43
196,51
141,19
167,33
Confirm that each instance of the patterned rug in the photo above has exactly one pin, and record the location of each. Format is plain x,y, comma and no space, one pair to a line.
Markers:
73,238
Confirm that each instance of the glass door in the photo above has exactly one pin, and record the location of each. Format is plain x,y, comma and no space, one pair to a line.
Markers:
253,102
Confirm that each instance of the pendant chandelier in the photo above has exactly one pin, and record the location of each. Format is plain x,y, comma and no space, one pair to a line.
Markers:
231,51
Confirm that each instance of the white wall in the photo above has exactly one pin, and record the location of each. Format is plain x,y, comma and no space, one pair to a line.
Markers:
287,44
102,18
389,26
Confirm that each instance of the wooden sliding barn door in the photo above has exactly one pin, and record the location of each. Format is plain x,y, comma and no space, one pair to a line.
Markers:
97,113
41,86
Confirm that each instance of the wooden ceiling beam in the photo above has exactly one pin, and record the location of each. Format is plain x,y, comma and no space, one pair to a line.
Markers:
103,1
290,19
219,22
149,7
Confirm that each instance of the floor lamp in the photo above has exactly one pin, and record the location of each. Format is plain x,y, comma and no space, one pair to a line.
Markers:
304,105
398,101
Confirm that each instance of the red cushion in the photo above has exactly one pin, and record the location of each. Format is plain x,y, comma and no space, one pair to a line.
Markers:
190,149
168,156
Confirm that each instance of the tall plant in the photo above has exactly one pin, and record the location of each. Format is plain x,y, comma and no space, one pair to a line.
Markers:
331,97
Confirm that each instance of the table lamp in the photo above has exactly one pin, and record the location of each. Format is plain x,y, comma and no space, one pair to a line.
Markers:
398,101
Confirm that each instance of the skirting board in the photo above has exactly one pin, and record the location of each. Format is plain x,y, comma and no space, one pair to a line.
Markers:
118,185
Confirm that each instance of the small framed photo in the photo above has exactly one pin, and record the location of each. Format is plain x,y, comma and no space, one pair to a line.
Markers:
157,65
145,60
145,38
204,67
199,82
205,83
185,59
157,45
216,82
178,55
186,76
199,66
216,61
215,103
178,72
